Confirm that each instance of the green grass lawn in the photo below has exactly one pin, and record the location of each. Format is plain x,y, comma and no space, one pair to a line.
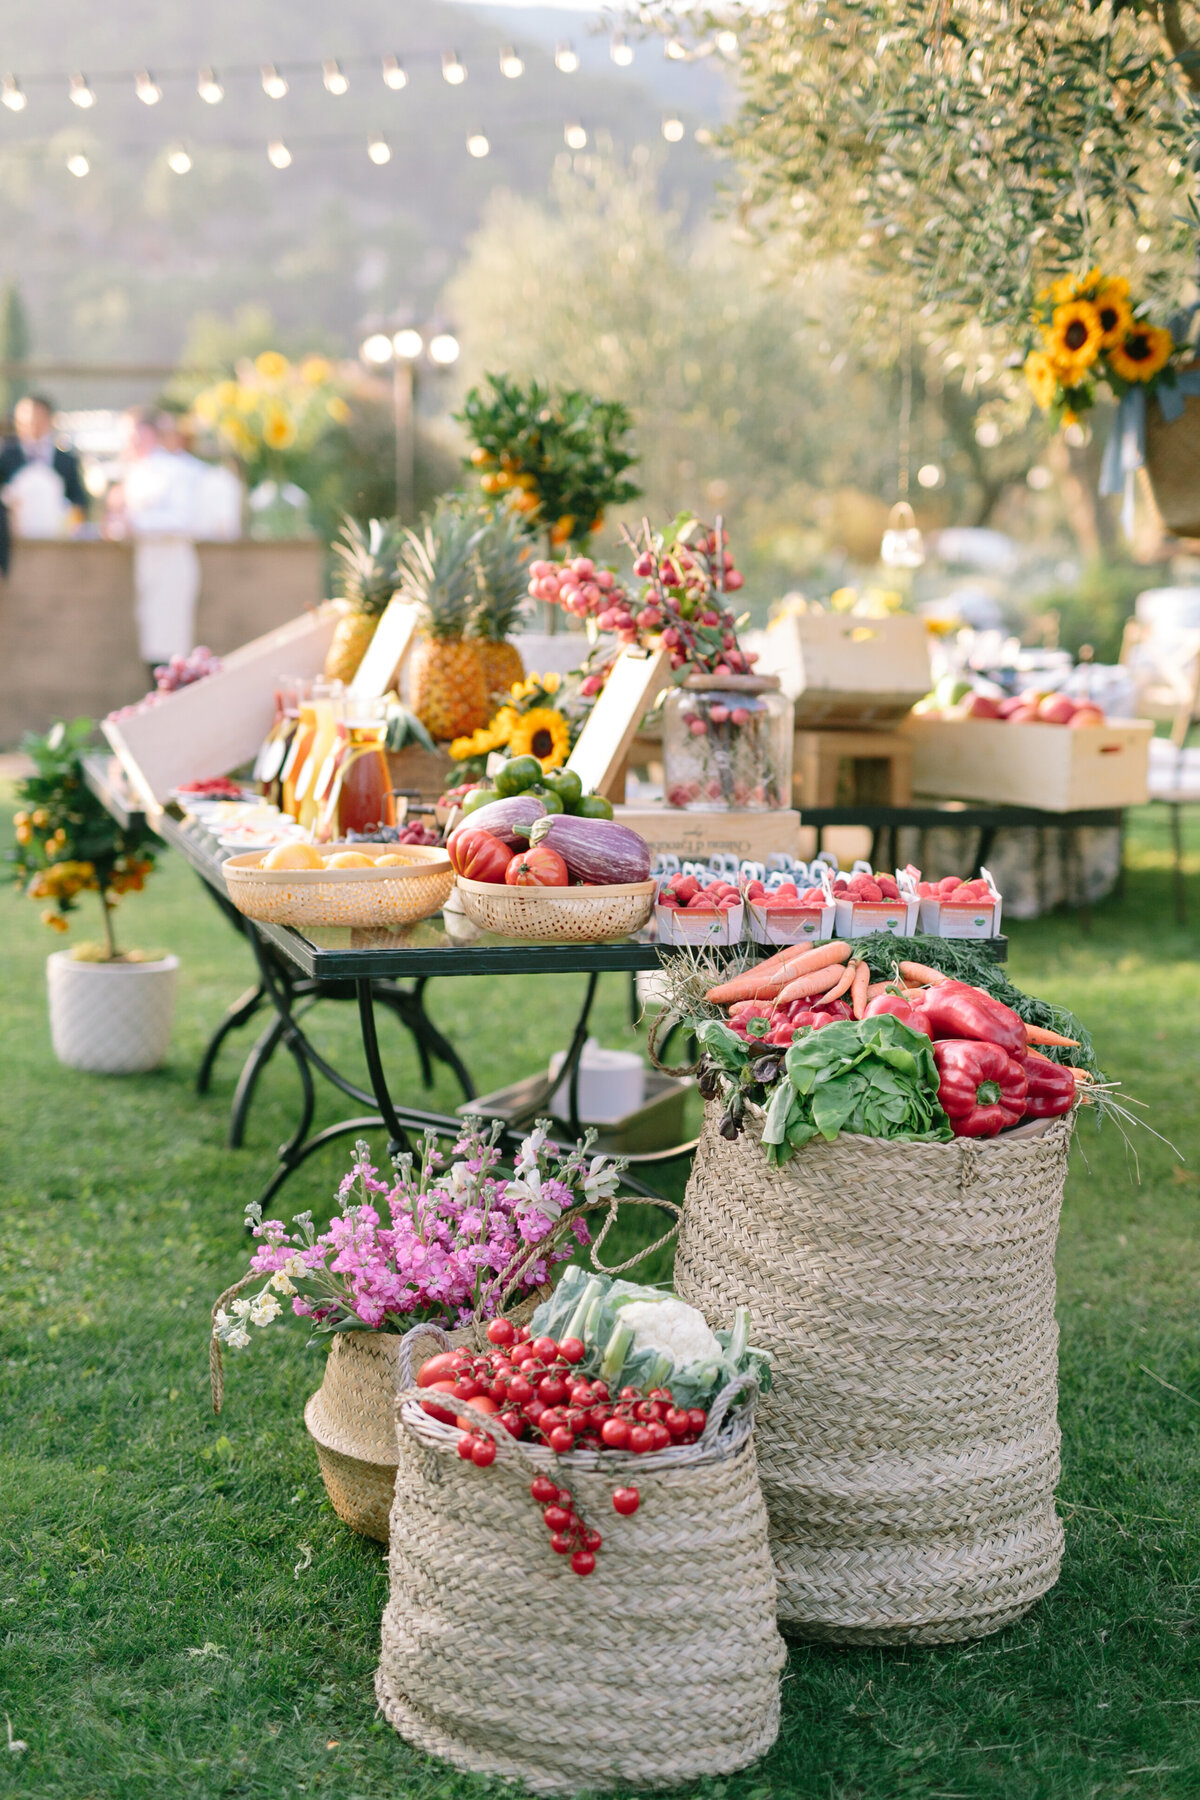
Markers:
182,1614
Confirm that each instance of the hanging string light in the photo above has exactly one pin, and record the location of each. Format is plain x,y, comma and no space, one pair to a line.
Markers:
672,130
274,85
81,93
335,80
727,43
378,149
408,343
477,144
566,58
146,88
11,95
394,74
78,164
209,88
278,154
621,52
511,64
178,161
676,49
443,349
452,68
575,137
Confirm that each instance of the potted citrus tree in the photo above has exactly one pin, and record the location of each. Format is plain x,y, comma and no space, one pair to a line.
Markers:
110,1009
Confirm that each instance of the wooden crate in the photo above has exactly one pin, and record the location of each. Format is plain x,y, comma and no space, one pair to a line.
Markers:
428,772
217,724
1046,766
857,768
695,836
842,670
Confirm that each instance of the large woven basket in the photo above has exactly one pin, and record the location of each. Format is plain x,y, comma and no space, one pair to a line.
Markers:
1173,465
582,915
909,1444
661,1667
352,1417
346,897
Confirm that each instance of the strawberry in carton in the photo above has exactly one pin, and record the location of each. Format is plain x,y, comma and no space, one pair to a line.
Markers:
792,906
697,906
868,901
956,908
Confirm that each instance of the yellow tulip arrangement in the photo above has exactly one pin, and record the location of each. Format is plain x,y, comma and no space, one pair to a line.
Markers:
271,412
1091,331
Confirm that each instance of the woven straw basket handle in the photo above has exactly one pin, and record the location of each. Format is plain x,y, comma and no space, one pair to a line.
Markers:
216,1366
612,1206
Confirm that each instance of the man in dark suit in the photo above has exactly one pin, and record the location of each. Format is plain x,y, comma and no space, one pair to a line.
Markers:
35,442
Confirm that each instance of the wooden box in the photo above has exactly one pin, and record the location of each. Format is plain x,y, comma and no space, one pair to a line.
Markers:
425,772
695,836
1046,766
217,724
842,670
875,767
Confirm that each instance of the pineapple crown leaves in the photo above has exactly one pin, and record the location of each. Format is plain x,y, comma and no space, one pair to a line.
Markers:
437,569
501,575
368,562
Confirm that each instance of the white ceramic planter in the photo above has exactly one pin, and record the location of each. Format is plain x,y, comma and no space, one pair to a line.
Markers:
111,1018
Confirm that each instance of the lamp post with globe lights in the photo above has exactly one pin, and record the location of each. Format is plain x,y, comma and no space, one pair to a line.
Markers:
407,350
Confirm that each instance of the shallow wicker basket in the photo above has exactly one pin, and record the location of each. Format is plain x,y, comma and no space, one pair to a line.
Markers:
583,915
348,897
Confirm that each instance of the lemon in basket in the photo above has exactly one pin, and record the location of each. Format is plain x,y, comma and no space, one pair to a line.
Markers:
293,856
349,859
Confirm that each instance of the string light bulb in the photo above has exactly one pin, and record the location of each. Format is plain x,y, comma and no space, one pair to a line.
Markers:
178,161
621,52
11,94
575,137
278,154
395,75
443,349
378,149
78,165
81,93
566,58
676,50
274,85
408,343
727,43
146,88
452,69
511,64
376,349
334,77
672,130
477,144
209,88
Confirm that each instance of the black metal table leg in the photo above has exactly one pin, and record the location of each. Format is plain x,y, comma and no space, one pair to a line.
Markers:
240,1013
409,1006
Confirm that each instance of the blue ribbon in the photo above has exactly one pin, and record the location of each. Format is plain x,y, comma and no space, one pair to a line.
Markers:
1125,451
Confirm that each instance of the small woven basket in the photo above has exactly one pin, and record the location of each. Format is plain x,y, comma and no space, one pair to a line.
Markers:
1173,464
659,1668
583,915
345,897
909,1444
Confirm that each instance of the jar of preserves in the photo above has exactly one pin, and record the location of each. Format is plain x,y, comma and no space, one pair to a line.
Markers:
727,744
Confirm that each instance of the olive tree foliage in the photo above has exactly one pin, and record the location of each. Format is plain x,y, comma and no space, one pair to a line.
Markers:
962,152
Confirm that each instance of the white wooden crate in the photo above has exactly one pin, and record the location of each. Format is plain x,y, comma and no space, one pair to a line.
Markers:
840,669
1047,766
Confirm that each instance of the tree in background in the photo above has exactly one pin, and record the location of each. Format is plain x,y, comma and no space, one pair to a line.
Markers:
15,345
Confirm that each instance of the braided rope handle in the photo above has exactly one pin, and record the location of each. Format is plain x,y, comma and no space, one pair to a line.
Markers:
666,1016
216,1365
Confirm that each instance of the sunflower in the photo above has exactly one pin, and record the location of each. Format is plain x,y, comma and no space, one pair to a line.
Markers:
1144,352
315,371
272,365
1116,315
278,431
1073,339
337,409
544,733
1042,376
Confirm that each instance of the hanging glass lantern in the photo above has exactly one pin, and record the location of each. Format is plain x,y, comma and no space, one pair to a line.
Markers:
903,546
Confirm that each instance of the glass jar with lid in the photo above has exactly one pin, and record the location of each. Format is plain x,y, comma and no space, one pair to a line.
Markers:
727,744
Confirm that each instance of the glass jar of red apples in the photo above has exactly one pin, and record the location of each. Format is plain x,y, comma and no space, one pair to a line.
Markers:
727,744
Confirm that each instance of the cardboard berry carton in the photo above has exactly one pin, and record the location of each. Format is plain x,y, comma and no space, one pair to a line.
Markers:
698,907
953,908
867,902
780,911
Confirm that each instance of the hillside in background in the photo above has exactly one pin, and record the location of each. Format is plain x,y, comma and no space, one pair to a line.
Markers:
114,265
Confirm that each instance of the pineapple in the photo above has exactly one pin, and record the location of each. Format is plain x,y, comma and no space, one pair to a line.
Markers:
368,575
447,686
502,584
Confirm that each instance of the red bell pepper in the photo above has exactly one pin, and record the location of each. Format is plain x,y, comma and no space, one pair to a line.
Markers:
955,1010
1051,1091
478,856
982,1088
900,1008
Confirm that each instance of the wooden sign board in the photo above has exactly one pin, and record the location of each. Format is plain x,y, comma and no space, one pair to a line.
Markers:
379,671
217,724
638,677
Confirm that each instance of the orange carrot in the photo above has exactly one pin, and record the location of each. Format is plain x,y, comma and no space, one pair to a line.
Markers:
858,989
817,981
768,978
884,987
1038,1034
920,975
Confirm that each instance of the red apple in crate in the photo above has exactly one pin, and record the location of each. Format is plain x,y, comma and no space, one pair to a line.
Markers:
982,706
1085,716
1008,707
1023,715
1056,709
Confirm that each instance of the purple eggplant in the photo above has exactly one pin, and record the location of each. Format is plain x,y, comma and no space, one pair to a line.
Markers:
596,850
509,820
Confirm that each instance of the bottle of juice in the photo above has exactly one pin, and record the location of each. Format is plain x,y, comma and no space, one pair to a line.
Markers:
297,753
358,793
324,696
268,764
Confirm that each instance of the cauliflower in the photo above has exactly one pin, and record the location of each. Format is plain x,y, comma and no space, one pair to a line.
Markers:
671,1327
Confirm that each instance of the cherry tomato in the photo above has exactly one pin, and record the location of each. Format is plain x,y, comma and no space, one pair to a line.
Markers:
512,1423
519,1389
630,1393
576,1418
445,1414
551,1416
483,1452
442,1367
662,1394
626,1500
676,1422
501,1331
557,1517
592,1540
697,1418
466,1387
615,1433
552,1389
466,1446
572,1349
523,1334
545,1347
561,1440
565,1499
560,1543
660,1435
581,1393
583,1562
599,1417
543,1490
640,1440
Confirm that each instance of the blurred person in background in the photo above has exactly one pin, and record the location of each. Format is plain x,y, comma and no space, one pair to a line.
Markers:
219,496
36,447
157,508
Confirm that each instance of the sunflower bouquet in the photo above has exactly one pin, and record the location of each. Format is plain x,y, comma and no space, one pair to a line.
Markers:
1091,331
542,717
271,413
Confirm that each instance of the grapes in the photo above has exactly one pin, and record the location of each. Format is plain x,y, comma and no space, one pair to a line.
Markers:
169,677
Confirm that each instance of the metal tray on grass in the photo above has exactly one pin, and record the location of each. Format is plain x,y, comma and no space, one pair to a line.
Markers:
655,1125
